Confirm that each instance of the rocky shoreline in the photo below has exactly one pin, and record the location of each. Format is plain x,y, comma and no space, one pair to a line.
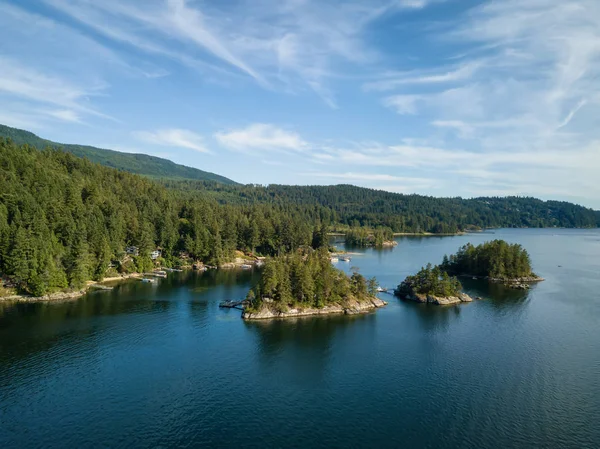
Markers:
350,307
439,300
523,283
69,295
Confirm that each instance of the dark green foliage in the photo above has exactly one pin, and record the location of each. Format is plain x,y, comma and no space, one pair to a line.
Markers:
347,206
142,164
306,278
496,259
65,220
429,281
363,237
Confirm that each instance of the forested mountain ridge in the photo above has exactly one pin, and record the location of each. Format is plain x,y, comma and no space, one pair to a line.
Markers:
141,164
358,206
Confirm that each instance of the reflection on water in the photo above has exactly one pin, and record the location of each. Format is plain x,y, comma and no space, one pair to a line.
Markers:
162,366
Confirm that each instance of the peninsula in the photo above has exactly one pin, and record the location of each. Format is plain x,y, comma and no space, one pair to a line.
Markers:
305,283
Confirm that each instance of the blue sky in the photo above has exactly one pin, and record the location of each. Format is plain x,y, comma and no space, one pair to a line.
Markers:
438,97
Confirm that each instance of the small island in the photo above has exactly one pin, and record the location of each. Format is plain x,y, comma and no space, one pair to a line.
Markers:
305,283
363,238
496,261
432,285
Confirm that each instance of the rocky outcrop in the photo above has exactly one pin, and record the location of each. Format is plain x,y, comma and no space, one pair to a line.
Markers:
350,307
522,280
60,296
439,300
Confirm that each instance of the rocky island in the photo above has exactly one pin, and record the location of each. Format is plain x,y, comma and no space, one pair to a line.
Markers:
495,261
305,283
432,285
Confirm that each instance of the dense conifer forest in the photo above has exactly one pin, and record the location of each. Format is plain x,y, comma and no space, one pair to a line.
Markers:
307,279
496,259
353,206
429,281
364,237
65,220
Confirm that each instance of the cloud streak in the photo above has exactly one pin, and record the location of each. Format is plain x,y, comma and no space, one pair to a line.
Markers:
175,138
260,137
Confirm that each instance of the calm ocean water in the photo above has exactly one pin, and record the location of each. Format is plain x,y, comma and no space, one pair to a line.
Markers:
163,366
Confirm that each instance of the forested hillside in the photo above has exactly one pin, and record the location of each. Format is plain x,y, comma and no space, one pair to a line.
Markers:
141,164
358,206
64,220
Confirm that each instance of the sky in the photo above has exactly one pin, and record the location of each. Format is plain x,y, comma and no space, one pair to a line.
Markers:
437,97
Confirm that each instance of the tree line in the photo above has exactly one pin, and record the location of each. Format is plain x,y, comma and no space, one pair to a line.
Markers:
351,206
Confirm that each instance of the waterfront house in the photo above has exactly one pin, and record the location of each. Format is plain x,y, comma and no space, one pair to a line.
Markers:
132,250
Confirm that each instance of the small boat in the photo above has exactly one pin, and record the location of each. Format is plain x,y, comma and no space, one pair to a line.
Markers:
246,267
381,289
160,273
148,281
334,259
345,259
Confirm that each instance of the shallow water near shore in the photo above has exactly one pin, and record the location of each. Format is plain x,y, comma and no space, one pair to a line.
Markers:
162,366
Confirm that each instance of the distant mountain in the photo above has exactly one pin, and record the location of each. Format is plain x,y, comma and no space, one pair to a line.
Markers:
141,164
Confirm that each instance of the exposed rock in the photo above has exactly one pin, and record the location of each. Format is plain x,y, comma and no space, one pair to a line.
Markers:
350,307
60,296
439,300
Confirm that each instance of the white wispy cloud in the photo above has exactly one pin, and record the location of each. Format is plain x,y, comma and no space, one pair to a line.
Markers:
50,64
175,138
403,104
288,45
67,115
520,101
261,137
28,83
453,74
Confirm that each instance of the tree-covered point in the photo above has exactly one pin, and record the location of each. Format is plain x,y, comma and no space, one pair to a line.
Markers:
307,279
496,259
365,237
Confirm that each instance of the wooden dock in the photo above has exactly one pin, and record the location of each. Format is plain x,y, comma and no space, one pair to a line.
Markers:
229,304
